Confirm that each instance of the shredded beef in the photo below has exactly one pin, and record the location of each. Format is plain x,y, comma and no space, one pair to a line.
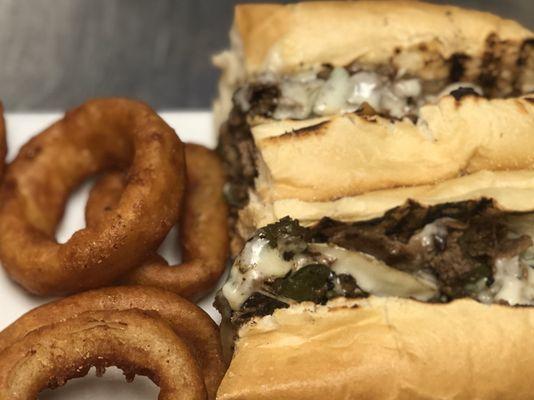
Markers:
257,305
236,147
476,236
387,238
287,236
263,99
455,267
460,253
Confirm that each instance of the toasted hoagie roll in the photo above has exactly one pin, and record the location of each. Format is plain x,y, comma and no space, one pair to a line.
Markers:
399,306
382,183
323,101
355,154
385,349
274,43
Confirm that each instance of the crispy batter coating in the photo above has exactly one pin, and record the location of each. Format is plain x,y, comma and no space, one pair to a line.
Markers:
187,320
100,135
203,227
133,340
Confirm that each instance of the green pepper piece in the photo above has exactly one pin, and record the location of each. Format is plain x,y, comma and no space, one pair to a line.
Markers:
310,283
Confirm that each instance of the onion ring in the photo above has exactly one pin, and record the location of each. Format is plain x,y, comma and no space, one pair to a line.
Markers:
188,321
3,143
100,135
203,227
134,341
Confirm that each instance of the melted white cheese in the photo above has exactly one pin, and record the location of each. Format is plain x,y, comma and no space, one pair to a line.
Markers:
258,261
427,236
365,88
304,95
296,101
408,88
332,96
513,283
514,277
374,276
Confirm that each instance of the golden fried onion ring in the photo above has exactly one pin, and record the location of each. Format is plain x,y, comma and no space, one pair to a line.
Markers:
98,136
187,320
203,227
132,340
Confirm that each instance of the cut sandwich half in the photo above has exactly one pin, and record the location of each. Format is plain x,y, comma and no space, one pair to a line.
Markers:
381,173
396,307
322,101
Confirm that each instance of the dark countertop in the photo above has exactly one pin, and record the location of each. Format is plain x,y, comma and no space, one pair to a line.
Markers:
56,53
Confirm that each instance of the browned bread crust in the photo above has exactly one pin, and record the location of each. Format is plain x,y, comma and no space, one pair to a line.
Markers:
284,38
385,349
355,154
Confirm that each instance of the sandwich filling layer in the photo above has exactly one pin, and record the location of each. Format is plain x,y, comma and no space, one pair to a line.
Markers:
237,146
431,254
330,91
324,91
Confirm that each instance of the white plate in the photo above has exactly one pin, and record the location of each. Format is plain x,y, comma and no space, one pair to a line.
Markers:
192,127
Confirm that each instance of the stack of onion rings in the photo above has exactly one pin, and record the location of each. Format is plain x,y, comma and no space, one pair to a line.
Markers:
131,340
3,143
140,329
203,227
102,135
98,328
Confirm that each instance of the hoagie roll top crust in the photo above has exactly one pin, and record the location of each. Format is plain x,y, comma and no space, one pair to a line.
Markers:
287,38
